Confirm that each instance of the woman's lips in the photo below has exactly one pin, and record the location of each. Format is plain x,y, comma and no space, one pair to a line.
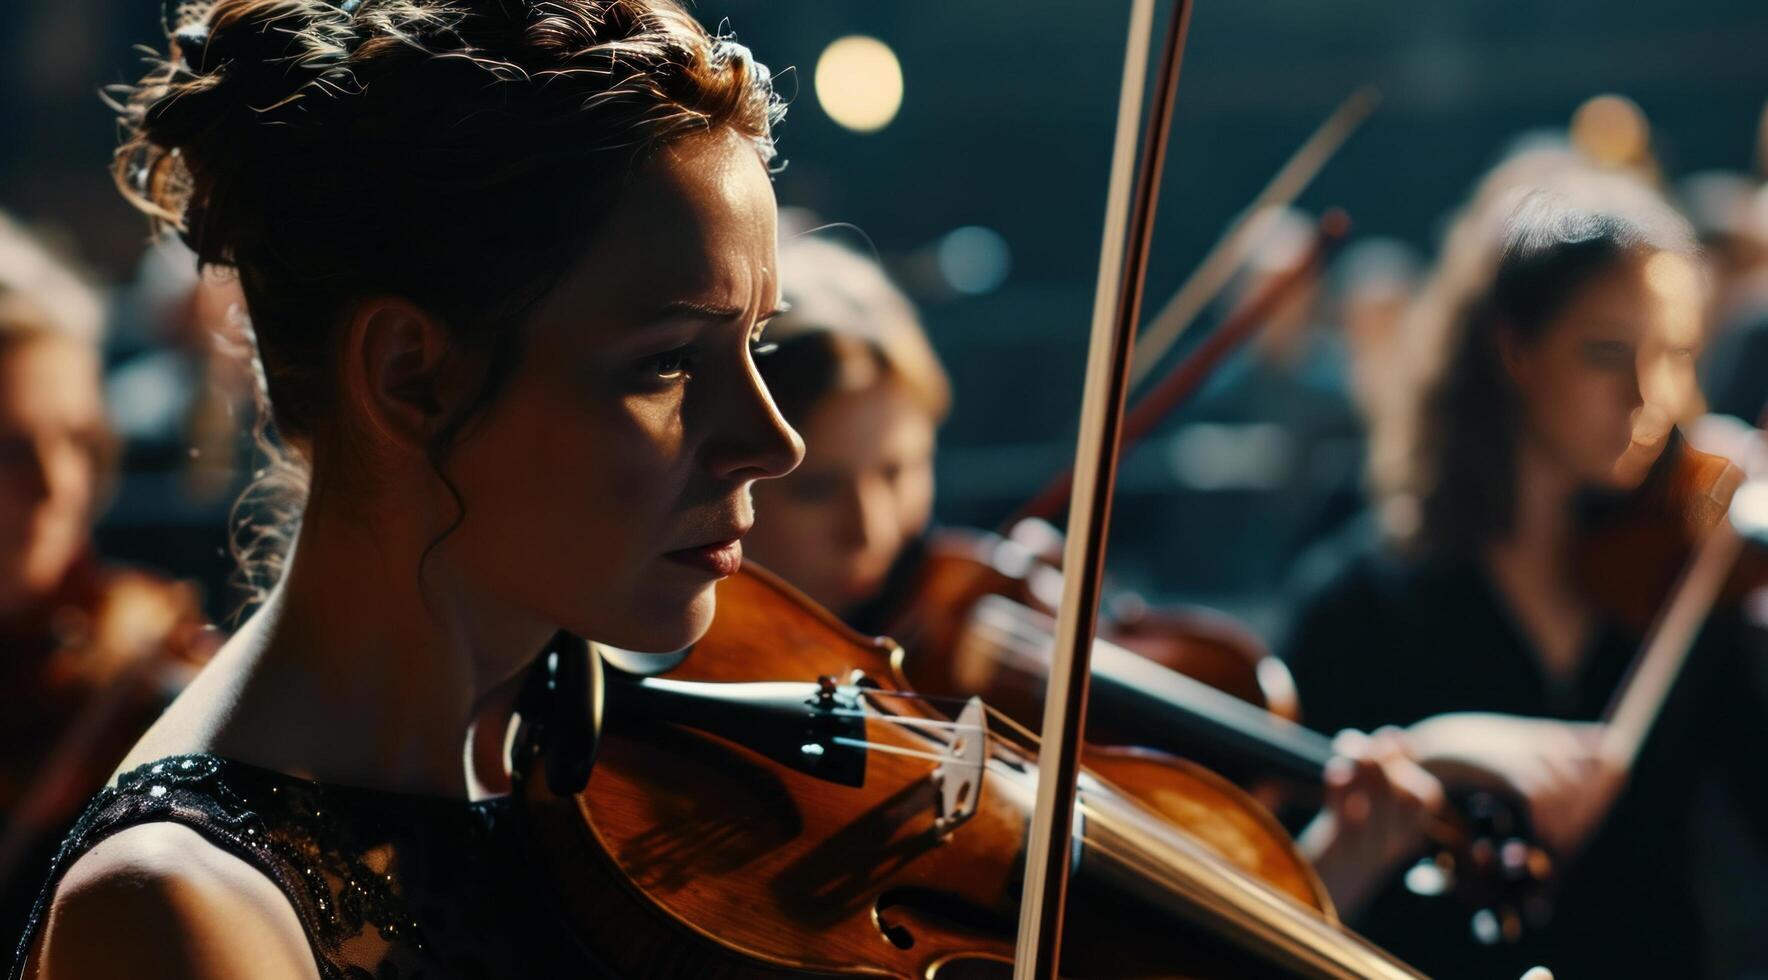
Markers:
719,559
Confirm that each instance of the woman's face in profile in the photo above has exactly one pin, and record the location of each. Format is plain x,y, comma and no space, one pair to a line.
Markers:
53,441
1608,376
607,488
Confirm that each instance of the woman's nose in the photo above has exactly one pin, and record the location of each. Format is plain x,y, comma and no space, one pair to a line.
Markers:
752,440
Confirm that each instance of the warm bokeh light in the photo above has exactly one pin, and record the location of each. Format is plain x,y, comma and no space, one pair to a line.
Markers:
1749,510
1612,130
859,83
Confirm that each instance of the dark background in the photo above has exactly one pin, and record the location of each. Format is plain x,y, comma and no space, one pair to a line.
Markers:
1006,123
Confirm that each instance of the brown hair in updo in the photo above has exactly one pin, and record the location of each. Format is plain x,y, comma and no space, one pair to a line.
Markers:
455,153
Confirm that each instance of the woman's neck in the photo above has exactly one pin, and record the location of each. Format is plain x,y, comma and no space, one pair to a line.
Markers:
1532,564
356,673
1541,527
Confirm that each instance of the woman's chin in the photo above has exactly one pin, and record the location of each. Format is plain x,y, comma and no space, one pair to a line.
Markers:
670,626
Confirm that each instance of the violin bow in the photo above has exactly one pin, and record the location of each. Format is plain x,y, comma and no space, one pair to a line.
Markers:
1646,688
1188,376
1211,276
1207,281
1123,266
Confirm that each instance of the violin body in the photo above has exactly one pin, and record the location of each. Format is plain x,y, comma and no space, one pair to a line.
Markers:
693,854
1633,552
962,566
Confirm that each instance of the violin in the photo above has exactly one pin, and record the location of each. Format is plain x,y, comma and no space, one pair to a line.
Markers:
781,803
1633,549
963,567
999,648
1661,560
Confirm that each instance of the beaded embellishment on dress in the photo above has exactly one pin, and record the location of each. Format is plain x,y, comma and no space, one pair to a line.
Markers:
387,886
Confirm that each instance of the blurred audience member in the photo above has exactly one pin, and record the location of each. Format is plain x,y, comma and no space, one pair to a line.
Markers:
1721,205
1374,281
91,653
182,397
1731,213
1274,438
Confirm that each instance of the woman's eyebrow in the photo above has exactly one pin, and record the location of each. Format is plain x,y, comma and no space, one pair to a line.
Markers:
694,308
709,311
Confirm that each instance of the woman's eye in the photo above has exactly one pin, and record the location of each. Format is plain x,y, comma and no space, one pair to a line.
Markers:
670,364
1608,354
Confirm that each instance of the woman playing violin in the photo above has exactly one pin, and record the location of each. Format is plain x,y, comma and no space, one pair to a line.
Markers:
1555,347
506,265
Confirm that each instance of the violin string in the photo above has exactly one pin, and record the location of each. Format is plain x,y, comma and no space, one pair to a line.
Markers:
942,701
860,743
937,700
1036,743
907,722
1030,736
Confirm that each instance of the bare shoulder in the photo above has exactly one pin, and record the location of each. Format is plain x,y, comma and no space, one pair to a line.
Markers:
159,901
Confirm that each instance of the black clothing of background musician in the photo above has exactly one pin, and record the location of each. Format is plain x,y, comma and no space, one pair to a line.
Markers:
1390,641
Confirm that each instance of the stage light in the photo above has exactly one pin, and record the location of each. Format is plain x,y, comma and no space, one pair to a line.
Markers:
974,260
1612,130
859,83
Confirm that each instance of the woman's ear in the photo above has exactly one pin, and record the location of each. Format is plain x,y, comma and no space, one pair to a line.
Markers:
399,372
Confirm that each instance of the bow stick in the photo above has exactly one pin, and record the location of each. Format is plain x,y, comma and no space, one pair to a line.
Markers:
1123,266
1189,375
1229,251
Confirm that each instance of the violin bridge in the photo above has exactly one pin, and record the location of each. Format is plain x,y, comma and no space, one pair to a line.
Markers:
959,778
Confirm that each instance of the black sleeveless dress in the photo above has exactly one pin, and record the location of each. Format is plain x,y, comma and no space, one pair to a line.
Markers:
387,886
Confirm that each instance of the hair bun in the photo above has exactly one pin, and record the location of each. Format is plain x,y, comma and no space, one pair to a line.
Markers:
229,93
247,53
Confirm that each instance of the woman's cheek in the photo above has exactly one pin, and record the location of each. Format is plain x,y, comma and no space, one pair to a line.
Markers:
642,451
918,501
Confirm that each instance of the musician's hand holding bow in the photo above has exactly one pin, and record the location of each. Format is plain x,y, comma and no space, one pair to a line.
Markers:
1557,767
1378,805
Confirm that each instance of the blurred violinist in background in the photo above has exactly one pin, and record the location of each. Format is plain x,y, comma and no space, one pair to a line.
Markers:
92,652
1374,281
1275,437
854,374
1550,356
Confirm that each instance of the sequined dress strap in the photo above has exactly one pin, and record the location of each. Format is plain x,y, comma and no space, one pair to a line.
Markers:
274,823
